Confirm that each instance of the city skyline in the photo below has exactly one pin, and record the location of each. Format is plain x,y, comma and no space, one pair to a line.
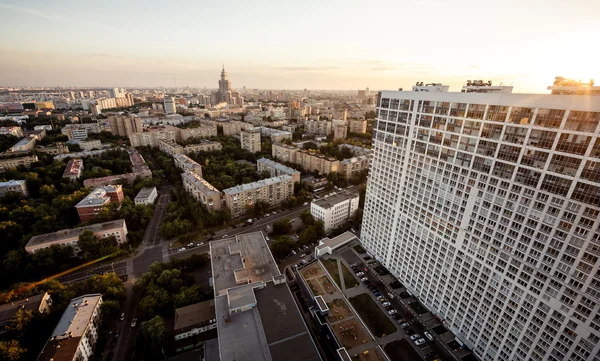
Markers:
342,46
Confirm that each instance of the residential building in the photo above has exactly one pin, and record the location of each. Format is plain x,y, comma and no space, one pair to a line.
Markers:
44,127
152,135
311,162
250,140
146,195
58,148
187,164
38,304
83,154
353,166
358,126
80,131
564,86
318,127
204,130
170,147
38,134
485,206
116,228
17,186
194,323
16,131
356,149
123,125
12,163
276,169
340,132
74,169
202,191
257,317
273,191
22,145
335,210
329,245
203,145
100,197
170,105
276,135
89,144
75,336
284,152
479,86
232,127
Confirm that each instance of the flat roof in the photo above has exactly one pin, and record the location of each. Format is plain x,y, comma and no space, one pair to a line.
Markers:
200,182
145,192
9,310
356,159
98,196
336,242
12,182
331,201
187,161
257,184
281,167
73,232
194,314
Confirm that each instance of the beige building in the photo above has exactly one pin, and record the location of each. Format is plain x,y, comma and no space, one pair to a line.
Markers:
89,144
202,191
125,125
10,163
250,140
318,127
22,145
152,135
232,127
358,126
205,130
58,148
169,147
241,198
204,145
187,164
18,186
354,165
284,152
311,161
340,132
276,169
16,131
116,228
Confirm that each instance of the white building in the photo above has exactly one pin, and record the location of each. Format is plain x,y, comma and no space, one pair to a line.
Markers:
486,207
146,195
75,336
170,106
18,186
335,210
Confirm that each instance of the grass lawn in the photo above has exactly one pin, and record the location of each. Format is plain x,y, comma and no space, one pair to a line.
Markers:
358,248
332,267
349,280
418,307
370,312
401,350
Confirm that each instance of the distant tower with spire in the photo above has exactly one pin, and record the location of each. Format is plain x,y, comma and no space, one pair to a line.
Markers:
226,93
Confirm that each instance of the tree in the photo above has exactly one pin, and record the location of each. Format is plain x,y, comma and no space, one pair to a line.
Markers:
11,350
260,208
281,247
307,218
282,226
308,235
20,321
92,247
155,331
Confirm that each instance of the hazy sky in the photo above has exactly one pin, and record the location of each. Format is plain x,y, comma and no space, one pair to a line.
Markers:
316,44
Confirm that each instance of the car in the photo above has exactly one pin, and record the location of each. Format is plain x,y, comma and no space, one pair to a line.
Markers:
415,336
267,238
366,269
391,295
117,333
420,341
404,325
398,318
303,262
360,274
428,335
122,316
110,356
293,253
268,214
364,279
134,322
392,311
191,245
380,298
386,304
225,236
182,249
291,220
305,204
303,255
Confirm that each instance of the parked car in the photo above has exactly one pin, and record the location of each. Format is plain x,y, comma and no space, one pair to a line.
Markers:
364,279
376,294
122,316
360,274
305,204
292,220
415,336
293,253
267,238
303,262
386,304
392,311
181,249
404,325
134,322
391,295
428,335
420,341
191,245
303,255
117,333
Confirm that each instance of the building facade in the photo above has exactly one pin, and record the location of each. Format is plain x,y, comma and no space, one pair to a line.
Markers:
146,195
94,202
170,105
353,166
311,162
340,132
204,130
358,126
284,152
123,125
17,186
152,135
250,140
202,191
240,199
187,164
335,210
12,163
318,127
486,207
74,169
275,169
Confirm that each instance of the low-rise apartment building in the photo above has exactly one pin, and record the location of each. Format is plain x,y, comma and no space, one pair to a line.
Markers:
116,228
152,135
311,162
170,147
335,210
38,304
74,169
274,190
276,169
22,145
58,148
354,165
205,130
94,202
234,127
16,131
146,195
11,163
124,125
318,127
187,164
202,191
89,144
250,140
276,135
358,126
17,186
204,145
284,152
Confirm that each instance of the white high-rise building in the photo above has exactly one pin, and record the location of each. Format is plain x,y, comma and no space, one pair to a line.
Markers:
170,107
486,207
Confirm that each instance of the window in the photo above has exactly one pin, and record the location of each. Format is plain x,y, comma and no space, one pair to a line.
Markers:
520,115
582,121
541,139
549,118
574,144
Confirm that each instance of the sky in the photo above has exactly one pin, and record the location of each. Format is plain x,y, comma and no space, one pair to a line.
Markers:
314,44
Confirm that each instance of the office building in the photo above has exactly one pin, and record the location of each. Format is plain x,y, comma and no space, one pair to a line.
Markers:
116,228
284,152
250,140
486,207
17,186
202,191
276,169
318,127
353,166
311,162
75,336
241,198
257,317
358,126
170,105
335,210
340,132
38,305
12,163
74,169
187,164
123,125
100,197
146,195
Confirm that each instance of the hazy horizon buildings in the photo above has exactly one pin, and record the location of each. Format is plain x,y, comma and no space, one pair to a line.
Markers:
226,94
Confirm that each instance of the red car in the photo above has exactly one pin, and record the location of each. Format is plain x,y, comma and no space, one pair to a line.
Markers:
366,269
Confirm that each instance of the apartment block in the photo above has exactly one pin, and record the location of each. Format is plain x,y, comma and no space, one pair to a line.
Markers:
187,164
39,305
284,152
170,147
274,190
232,127
17,186
335,210
74,169
358,126
352,166
205,130
75,336
94,202
318,127
203,145
152,135
340,132
276,169
202,191
12,163
250,140
311,162
56,149
486,206
276,135
89,144
123,125
22,145
116,228
16,131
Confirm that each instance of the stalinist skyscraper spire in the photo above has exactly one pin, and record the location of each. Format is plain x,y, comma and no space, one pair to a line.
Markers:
225,93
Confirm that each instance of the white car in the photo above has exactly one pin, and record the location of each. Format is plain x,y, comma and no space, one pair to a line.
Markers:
428,335
391,312
420,341
134,322
386,304
360,274
415,336
267,238
305,204
364,279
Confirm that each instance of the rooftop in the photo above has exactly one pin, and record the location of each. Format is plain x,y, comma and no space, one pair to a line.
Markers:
74,232
335,199
98,196
145,192
282,145
336,242
281,167
9,310
200,183
170,143
257,185
187,161
23,142
12,183
194,314
355,159
74,167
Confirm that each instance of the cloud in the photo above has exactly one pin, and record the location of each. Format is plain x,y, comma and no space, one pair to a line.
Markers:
54,17
473,66
428,3
307,68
